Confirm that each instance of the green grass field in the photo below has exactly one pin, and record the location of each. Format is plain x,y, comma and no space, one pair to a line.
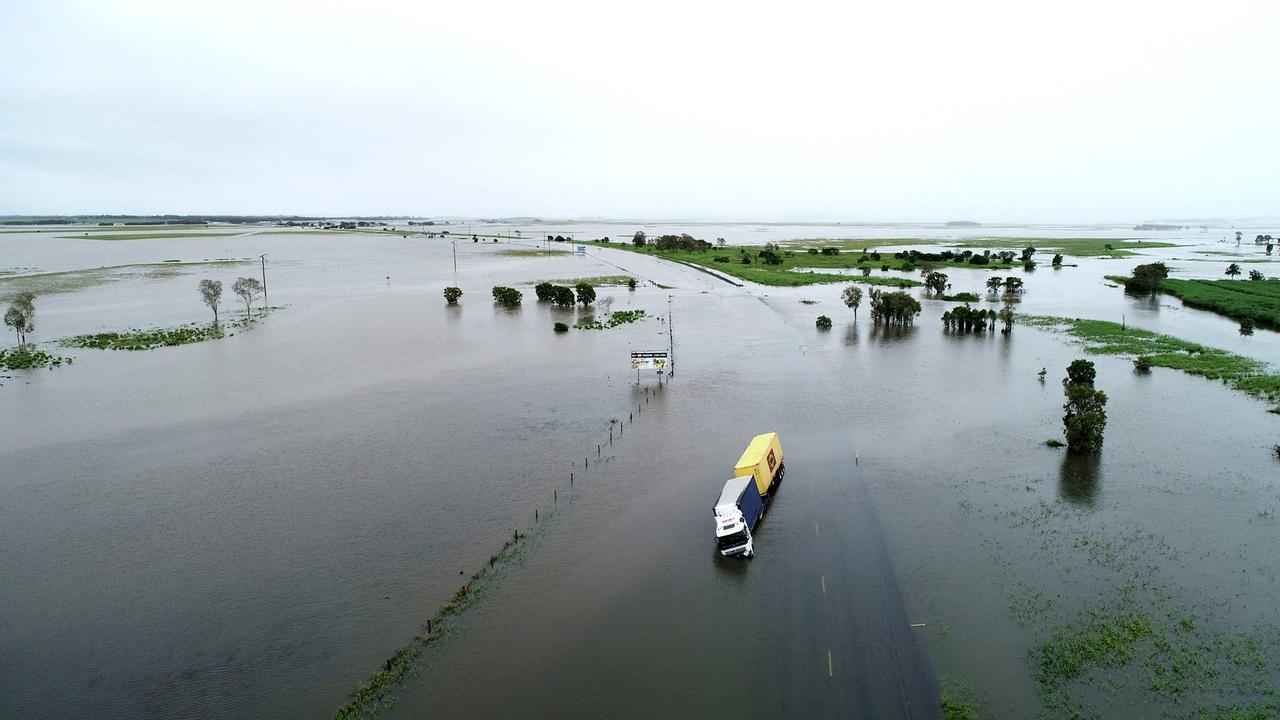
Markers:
1257,300
1076,247
1107,338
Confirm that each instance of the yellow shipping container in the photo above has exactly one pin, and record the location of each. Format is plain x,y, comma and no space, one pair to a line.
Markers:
762,459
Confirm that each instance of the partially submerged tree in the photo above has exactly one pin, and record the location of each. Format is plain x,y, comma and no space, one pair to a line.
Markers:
544,291
508,297
1233,271
586,293
1012,285
1146,278
21,316
994,284
1080,372
1006,317
211,294
936,282
248,289
1256,275
823,322
1084,419
894,308
451,295
852,297
1057,261
562,296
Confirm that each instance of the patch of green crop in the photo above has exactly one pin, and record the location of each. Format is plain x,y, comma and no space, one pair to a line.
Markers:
1107,338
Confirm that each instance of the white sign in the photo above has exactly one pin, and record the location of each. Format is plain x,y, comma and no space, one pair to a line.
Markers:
649,361
582,249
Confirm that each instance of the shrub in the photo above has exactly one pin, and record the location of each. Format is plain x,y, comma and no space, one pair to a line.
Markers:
1246,327
720,258
561,327
451,295
1142,364
1053,443
830,251
823,322
746,259
631,282
812,251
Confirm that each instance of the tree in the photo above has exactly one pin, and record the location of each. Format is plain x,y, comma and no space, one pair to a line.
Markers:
1080,372
1057,261
1233,270
509,297
866,272
1006,316
1084,419
631,283
1027,252
544,291
1270,247
994,284
852,297
1255,276
451,295
896,308
21,316
720,242
1146,278
562,296
823,322
638,238
248,289
936,282
211,293
1012,285
586,293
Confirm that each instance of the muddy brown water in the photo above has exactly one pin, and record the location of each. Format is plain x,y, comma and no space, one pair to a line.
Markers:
249,527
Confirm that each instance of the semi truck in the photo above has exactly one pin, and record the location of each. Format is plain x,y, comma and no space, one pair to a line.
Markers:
744,497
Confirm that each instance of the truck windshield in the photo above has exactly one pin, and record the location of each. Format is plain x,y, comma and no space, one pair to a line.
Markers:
731,541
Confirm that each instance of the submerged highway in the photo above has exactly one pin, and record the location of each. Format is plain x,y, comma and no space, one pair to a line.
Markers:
624,609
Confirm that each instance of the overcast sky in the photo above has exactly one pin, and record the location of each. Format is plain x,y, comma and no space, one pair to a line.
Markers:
1019,111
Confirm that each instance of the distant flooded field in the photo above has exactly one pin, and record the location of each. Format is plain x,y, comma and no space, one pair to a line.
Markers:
250,526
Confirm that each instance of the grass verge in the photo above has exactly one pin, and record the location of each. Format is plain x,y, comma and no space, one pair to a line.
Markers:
146,236
1107,338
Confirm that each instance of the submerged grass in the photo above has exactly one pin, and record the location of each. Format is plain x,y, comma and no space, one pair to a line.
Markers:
146,236
594,280
73,280
30,359
530,252
1107,338
616,318
1076,247
136,339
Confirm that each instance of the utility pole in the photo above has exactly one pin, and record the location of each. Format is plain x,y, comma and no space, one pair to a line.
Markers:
455,259
265,304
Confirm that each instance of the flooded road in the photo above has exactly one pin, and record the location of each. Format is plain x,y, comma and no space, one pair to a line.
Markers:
248,527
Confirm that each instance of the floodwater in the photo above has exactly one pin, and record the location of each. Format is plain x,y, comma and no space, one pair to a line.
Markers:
248,527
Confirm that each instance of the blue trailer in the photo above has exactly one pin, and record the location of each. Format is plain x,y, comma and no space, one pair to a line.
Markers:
737,511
